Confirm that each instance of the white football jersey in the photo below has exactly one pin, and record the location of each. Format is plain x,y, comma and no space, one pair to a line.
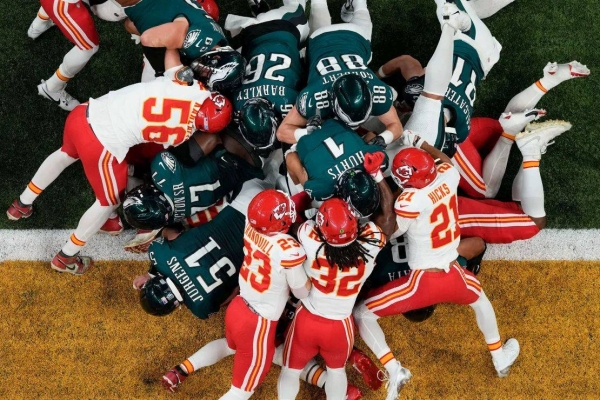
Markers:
161,111
334,291
429,216
263,279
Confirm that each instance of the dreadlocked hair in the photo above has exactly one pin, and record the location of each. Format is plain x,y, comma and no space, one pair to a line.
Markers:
349,256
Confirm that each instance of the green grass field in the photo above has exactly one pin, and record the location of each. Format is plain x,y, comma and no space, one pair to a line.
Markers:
531,32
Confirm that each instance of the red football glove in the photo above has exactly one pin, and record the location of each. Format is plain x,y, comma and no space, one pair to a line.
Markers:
373,162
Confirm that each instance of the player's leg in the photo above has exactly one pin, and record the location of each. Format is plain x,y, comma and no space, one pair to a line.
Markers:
356,12
319,15
469,163
487,8
554,75
40,24
335,348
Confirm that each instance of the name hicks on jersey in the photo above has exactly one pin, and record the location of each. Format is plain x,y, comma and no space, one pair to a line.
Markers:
184,279
353,161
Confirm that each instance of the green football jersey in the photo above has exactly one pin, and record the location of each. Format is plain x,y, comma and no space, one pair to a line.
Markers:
203,262
203,33
194,189
329,151
273,71
331,55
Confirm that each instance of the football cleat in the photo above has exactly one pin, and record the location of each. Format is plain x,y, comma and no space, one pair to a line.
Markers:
396,381
112,226
142,240
474,264
62,98
347,12
76,265
513,123
39,26
258,7
510,352
353,393
173,378
366,368
574,69
537,136
457,19
18,210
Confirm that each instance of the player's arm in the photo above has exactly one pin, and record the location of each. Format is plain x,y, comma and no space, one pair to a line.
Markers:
393,126
294,121
385,217
199,145
436,153
295,168
130,27
412,138
170,35
406,65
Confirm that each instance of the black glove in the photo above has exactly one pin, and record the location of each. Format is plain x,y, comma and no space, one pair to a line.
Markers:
378,141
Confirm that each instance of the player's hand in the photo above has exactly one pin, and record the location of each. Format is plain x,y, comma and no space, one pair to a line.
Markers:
140,280
378,141
136,38
411,139
313,124
373,162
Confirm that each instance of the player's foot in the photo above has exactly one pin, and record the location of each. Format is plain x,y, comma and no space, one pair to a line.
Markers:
76,265
173,378
39,26
18,210
457,19
510,352
258,7
514,123
347,12
366,368
62,98
563,72
537,136
353,393
142,240
396,380
474,264
112,226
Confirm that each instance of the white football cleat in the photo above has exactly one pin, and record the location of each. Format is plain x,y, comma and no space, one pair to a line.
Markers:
347,12
62,98
455,18
396,380
537,136
510,352
564,72
514,123
39,26
141,242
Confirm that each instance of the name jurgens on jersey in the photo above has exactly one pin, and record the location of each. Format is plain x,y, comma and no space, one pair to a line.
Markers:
184,279
352,161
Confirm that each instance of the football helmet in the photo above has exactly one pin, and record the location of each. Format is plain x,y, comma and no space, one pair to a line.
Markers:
222,69
337,222
359,190
146,207
215,114
352,100
413,168
271,211
258,123
413,89
159,296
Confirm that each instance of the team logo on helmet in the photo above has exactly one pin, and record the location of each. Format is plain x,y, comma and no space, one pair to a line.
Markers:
414,88
320,219
279,211
404,172
190,38
132,201
169,161
219,100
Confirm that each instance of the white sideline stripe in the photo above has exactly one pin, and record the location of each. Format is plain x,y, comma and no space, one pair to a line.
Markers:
43,244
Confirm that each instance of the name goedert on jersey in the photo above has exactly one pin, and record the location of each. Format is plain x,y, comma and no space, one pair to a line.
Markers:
352,161
334,77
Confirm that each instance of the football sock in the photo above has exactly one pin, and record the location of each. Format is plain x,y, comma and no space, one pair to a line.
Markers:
337,384
516,186
236,394
421,119
439,67
42,14
372,334
531,188
288,384
209,354
314,374
362,18
494,165
73,62
91,221
319,15
486,320
487,8
50,169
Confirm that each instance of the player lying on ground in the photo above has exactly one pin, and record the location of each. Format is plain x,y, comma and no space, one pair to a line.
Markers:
100,134
427,213
75,22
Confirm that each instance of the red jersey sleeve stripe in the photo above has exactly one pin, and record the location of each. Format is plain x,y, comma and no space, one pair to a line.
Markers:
293,263
407,214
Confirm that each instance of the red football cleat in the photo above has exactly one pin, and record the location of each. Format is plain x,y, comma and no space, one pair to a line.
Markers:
75,265
18,210
142,241
112,226
366,368
173,378
353,393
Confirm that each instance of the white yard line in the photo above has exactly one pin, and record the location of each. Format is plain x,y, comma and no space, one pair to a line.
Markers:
550,244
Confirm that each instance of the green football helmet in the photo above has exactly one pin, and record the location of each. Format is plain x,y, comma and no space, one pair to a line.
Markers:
258,122
146,207
352,100
159,296
222,69
359,190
